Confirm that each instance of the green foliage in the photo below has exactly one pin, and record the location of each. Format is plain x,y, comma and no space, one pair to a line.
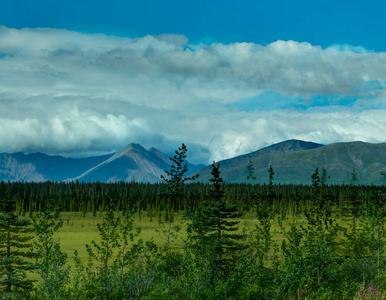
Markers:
175,177
125,269
251,170
175,183
212,231
103,252
354,177
376,231
294,247
324,177
14,250
316,182
270,185
310,252
50,259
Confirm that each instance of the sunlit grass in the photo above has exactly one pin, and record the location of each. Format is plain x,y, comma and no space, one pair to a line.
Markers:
80,229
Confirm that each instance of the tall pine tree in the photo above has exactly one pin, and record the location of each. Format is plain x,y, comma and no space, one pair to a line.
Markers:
174,186
14,249
212,231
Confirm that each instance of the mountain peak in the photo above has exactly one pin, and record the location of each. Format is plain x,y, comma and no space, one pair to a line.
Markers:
134,146
292,145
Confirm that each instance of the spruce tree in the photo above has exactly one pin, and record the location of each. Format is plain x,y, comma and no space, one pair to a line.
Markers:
174,185
324,177
251,170
270,185
175,177
212,231
354,177
14,249
246,206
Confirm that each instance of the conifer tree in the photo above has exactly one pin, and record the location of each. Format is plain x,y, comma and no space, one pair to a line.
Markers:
324,177
246,206
251,170
14,249
354,177
212,231
270,185
316,182
175,177
174,181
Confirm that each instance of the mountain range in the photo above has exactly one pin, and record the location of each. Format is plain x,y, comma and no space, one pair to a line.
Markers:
293,161
133,163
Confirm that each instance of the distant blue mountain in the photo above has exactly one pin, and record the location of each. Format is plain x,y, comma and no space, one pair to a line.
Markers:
131,163
42,167
293,161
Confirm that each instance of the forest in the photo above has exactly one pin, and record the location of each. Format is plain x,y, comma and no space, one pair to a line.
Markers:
317,241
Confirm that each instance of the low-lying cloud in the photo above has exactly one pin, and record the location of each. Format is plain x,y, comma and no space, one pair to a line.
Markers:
70,93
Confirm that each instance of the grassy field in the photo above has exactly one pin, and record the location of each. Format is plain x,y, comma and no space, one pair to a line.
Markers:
79,230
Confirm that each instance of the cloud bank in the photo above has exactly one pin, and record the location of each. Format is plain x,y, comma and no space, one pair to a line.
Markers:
74,94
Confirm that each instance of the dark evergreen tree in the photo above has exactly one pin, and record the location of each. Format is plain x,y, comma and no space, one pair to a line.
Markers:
354,177
251,170
174,182
212,231
14,249
316,182
175,177
270,184
324,177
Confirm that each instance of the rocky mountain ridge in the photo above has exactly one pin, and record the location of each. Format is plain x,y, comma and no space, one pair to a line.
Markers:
293,161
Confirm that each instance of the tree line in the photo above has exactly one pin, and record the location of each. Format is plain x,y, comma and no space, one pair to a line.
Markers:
87,197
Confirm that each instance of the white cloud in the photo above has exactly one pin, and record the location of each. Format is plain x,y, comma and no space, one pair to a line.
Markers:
65,92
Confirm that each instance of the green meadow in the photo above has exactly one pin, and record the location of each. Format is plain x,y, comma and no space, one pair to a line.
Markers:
80,229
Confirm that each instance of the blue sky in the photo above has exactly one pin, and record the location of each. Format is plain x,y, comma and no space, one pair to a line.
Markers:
225,77
324,23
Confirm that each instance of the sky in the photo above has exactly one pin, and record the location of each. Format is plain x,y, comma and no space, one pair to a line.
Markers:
81,78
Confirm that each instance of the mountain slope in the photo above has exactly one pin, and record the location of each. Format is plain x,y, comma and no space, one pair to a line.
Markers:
191,167
295,162
131,163
42,167
233,167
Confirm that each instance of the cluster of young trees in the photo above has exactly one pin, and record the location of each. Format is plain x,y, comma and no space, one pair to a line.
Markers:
315,242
